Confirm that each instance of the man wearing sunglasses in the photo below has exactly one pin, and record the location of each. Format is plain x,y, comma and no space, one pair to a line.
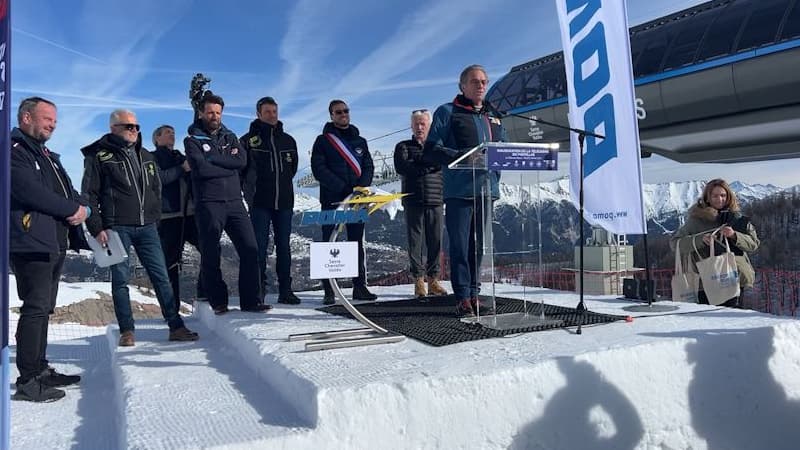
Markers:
423,207
121,182
341,162
216,157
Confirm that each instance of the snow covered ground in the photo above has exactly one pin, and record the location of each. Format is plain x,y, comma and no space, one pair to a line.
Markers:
702,378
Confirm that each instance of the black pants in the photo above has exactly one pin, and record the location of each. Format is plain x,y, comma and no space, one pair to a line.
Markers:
212,219
424,228
703,300
37,277
174,234
355,232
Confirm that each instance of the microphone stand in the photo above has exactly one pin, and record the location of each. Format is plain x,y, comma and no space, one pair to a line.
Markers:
581,308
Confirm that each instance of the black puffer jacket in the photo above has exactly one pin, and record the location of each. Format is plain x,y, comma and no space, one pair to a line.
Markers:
271,165
176,190
216,160
422,180
36,209
118,192
336,176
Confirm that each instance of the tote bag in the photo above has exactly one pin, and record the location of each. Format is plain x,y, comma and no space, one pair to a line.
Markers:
719,274
684,284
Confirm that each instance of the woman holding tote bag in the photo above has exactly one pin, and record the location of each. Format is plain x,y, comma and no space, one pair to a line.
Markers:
716,209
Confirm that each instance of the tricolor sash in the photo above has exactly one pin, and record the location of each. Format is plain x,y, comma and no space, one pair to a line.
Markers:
345,152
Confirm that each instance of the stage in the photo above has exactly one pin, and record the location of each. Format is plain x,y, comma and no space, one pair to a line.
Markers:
702,377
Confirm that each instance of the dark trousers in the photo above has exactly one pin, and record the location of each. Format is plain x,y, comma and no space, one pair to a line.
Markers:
355,232
212,219
174,234
702,299
424,228
147,244
281,220
37,276
465,221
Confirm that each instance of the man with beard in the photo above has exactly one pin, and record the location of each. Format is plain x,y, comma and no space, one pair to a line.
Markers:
121,181
341,162
45,213
177,226
215,158
269,192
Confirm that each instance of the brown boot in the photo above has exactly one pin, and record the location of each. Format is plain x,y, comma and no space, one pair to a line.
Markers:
126,339
434,288
419,288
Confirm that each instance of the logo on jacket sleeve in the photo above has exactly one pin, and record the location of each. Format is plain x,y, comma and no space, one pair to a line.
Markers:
287,157
104,156
359,151
206,148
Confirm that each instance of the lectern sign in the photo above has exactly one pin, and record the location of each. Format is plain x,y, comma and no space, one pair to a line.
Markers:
510,157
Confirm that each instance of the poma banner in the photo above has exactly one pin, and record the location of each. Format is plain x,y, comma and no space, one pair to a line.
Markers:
595,37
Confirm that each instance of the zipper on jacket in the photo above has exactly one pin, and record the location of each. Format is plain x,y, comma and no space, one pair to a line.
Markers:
135,185
58,176
277,159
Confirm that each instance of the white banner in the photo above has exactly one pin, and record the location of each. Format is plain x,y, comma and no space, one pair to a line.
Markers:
334,260
594,34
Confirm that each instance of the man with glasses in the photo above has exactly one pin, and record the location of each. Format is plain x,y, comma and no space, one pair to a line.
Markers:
457,127
341,162
216,157
423,207
269,192
45,214
177,226
122,184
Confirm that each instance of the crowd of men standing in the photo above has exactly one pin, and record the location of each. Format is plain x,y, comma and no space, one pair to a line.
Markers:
157,201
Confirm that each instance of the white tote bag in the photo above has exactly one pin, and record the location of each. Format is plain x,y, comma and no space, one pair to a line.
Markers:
719,274
684,284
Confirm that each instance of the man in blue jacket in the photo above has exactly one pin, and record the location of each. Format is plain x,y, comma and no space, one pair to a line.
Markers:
45,214
341,162
216,157
177,226
269,191
457,127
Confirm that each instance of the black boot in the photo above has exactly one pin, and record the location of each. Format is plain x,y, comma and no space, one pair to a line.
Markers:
34,390
360,292
287,297
329,298
50,377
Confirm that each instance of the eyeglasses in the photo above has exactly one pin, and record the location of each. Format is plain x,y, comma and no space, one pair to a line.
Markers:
341,111
128,126
417,112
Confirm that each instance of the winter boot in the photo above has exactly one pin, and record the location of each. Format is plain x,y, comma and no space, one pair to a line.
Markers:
419,288
434,288
360,292
35,391
50,377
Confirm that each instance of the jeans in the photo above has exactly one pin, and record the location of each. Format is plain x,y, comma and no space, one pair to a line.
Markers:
464,220
424,227
281,220
37,276
147,243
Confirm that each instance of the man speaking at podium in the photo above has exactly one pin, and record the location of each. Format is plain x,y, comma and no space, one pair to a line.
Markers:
457,127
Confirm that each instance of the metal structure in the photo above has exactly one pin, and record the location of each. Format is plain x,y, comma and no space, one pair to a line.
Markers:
371,333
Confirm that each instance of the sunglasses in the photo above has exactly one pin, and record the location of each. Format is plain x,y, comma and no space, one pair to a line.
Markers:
128,126
419,111
341,111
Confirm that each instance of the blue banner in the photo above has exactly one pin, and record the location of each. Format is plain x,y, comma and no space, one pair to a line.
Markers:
5,188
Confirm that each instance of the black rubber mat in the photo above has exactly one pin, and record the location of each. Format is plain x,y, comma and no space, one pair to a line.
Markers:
433,320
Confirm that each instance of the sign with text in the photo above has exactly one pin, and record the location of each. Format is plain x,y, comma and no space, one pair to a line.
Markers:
512,157
334,260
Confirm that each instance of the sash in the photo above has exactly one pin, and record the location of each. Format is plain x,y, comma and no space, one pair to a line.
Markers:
345,153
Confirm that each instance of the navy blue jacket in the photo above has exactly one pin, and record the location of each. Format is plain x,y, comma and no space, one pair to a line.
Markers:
456,128
170,165
36,208
336,178
271,165
216,160
422,181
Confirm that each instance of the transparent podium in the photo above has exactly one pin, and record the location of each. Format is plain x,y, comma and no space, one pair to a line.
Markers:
485,162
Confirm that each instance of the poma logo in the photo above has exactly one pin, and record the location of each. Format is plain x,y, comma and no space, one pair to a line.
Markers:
335,252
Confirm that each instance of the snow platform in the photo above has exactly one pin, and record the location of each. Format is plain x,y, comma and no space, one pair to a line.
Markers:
703,377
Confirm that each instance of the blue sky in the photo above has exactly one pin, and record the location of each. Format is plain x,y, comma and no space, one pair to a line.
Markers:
384,58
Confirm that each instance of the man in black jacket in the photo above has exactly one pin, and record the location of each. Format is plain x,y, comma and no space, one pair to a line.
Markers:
121,181
423,207
177,226
215,158
269,192
340,161
45,214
